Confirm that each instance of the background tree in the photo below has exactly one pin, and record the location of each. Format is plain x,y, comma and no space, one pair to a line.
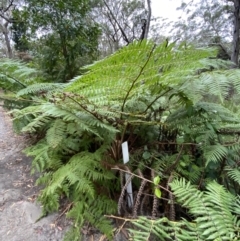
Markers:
62,35
121,22
210,22
6,8
19,33
236,26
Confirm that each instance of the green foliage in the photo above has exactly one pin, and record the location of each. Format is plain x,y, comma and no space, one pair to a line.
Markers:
15,76
138,69
68,37
82,179
214,216
92,211
19,33
154,97
40,88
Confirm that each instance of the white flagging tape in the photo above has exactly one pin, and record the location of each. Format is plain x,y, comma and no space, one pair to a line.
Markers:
127,176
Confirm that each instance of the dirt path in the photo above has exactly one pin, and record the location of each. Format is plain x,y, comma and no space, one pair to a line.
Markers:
18,208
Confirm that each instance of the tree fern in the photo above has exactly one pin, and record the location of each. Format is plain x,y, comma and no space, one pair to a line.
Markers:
154,97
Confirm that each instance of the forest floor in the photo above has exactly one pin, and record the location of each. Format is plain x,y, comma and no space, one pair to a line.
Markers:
19,210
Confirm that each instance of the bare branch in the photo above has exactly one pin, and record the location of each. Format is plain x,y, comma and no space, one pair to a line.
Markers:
8,7
5,18
125,38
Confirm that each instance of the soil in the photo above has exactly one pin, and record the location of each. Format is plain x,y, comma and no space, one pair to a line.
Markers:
19,210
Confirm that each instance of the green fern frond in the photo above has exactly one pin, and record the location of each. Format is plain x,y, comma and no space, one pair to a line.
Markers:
40,88
234,174
148,229
16,72
215,153
163,229
212,209
56,133
83,163
40,152
37,123
73,234
80,172
134,68
217,85
64,174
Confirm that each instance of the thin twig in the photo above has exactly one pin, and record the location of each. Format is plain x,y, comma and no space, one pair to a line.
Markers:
64,211
120,218
133,174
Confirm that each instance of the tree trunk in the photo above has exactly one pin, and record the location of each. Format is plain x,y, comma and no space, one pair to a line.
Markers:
148,19
236,26
4,30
